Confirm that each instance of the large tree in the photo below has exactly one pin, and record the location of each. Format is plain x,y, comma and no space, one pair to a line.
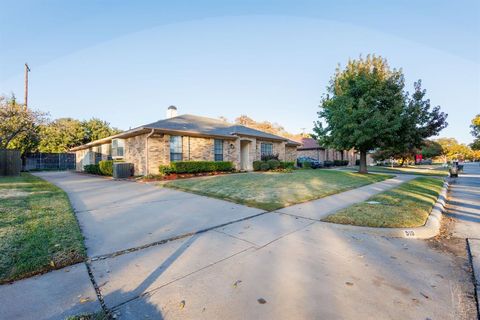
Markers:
453,150
60,135
363,107
475,126
97,129
366,108
418,122
19,126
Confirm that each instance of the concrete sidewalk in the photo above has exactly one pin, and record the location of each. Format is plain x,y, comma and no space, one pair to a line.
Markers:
464,207
54,295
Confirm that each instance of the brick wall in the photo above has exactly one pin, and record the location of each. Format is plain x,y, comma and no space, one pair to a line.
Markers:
134,152
291,153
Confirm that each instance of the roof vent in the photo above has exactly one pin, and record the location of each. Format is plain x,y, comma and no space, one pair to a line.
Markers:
171,112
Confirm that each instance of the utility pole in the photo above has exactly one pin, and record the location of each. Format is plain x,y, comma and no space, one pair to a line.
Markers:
27,70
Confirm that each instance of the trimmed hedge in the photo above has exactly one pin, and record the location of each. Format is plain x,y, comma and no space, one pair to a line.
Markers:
256,165
327,163
272,165
198,166
287,164
92,168
106,167
339,163
264,166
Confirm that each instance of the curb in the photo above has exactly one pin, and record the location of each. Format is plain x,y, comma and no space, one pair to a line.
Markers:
430,229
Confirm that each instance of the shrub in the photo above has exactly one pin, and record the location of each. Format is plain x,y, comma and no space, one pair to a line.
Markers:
327,163
200,166
306,165
273,164
164,170
106,167
267,157
287,165
256,165
340,163
223,166
264,166
92,168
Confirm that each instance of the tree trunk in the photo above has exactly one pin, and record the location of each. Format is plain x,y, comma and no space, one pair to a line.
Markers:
403,161
363,162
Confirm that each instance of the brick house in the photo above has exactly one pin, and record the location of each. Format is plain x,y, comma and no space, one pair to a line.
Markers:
186,138
310,148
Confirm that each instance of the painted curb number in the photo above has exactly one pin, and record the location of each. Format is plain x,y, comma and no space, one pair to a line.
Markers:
409,233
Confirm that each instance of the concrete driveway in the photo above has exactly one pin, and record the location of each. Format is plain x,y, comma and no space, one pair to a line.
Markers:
120,215
271,266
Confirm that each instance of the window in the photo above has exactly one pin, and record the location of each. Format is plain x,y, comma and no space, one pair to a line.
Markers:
266,149
176,148
218,150
118,146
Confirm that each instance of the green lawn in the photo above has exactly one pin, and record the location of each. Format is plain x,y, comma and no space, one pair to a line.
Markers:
38,231
274,190
417,170
408,205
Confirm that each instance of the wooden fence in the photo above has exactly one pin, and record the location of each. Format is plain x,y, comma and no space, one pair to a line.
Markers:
10,162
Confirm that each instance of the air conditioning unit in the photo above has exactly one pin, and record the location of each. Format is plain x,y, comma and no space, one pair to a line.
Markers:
122,170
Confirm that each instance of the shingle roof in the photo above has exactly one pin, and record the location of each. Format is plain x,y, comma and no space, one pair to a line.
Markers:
188,123
208,126
309,143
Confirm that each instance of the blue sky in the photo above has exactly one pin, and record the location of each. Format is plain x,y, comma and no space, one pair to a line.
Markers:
126,61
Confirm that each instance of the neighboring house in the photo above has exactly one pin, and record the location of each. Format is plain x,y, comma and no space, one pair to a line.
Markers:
310,148
186,138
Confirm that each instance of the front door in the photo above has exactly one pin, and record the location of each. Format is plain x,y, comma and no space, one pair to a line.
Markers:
244,155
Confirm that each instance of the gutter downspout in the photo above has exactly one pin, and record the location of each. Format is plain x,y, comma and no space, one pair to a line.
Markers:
146,151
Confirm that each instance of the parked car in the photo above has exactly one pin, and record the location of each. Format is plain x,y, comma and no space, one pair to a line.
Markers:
312,163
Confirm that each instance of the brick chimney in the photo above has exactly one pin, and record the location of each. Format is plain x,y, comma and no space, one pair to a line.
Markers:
171,112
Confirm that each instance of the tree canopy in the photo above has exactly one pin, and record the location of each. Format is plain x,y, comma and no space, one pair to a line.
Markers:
29,130
453,150
18,125
266,126
475,126
366,108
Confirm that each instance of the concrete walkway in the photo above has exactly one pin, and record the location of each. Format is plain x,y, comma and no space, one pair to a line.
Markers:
270,266
464,207
321,208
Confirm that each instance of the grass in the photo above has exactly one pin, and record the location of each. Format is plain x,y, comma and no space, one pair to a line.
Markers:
38,230
273,190
416,170
407,205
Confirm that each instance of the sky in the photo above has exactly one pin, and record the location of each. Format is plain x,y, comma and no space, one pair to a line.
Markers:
127,61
